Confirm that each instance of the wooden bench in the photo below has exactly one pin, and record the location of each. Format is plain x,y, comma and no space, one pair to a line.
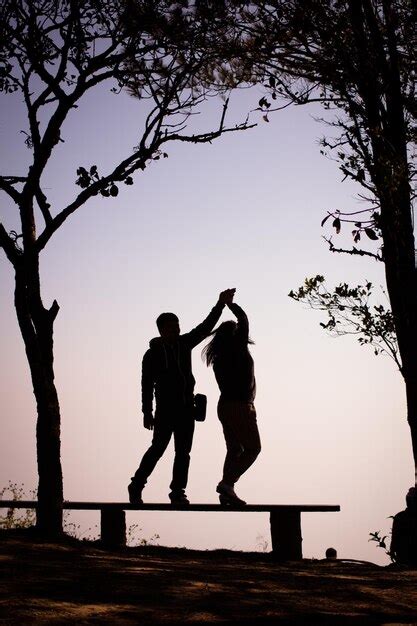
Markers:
285,519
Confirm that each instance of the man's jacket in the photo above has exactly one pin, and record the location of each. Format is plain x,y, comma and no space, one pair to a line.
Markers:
167,370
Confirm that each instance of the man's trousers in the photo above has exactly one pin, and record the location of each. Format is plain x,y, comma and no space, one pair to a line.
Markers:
181,426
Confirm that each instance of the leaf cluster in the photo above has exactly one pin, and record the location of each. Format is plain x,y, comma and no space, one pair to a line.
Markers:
368,224
350,311
91,176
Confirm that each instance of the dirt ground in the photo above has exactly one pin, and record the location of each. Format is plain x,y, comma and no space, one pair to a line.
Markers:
80,583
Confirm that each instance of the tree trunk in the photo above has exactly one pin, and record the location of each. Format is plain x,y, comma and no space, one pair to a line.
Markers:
386,123
36,325
411,389
401,276
397,224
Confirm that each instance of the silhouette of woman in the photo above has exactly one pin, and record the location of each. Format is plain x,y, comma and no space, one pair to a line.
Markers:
232,363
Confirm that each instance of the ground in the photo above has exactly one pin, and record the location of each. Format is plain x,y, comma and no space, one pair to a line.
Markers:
73,582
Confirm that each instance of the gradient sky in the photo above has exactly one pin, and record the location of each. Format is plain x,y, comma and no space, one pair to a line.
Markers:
242,212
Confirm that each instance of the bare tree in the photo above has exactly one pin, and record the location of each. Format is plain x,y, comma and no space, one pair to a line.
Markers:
54,52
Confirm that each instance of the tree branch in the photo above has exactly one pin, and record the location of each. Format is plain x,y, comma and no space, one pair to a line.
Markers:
43,204
7,186
43,97
31,109
129,165
7,243
53,311
207,137
353,251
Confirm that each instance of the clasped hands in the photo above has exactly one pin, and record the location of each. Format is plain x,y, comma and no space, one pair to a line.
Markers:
226,296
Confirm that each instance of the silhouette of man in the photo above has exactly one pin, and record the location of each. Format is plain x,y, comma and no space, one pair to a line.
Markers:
403,548
167,374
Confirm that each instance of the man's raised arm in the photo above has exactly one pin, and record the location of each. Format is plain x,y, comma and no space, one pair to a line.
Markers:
200,332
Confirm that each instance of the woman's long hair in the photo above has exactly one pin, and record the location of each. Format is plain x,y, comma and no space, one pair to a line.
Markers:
223,340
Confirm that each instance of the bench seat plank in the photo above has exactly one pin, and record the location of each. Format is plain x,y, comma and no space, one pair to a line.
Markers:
166,506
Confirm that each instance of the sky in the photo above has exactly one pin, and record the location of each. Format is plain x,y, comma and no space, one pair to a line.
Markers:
242,212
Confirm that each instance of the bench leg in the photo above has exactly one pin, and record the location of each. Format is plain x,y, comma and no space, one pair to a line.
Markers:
113,527
286,535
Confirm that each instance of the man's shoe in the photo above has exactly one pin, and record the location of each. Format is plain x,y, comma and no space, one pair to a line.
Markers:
179,498
227,495
135,493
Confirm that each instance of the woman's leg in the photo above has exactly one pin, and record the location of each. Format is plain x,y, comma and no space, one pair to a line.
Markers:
248,438
242,438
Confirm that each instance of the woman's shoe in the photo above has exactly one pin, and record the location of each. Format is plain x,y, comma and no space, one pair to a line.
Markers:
227,495
135,493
